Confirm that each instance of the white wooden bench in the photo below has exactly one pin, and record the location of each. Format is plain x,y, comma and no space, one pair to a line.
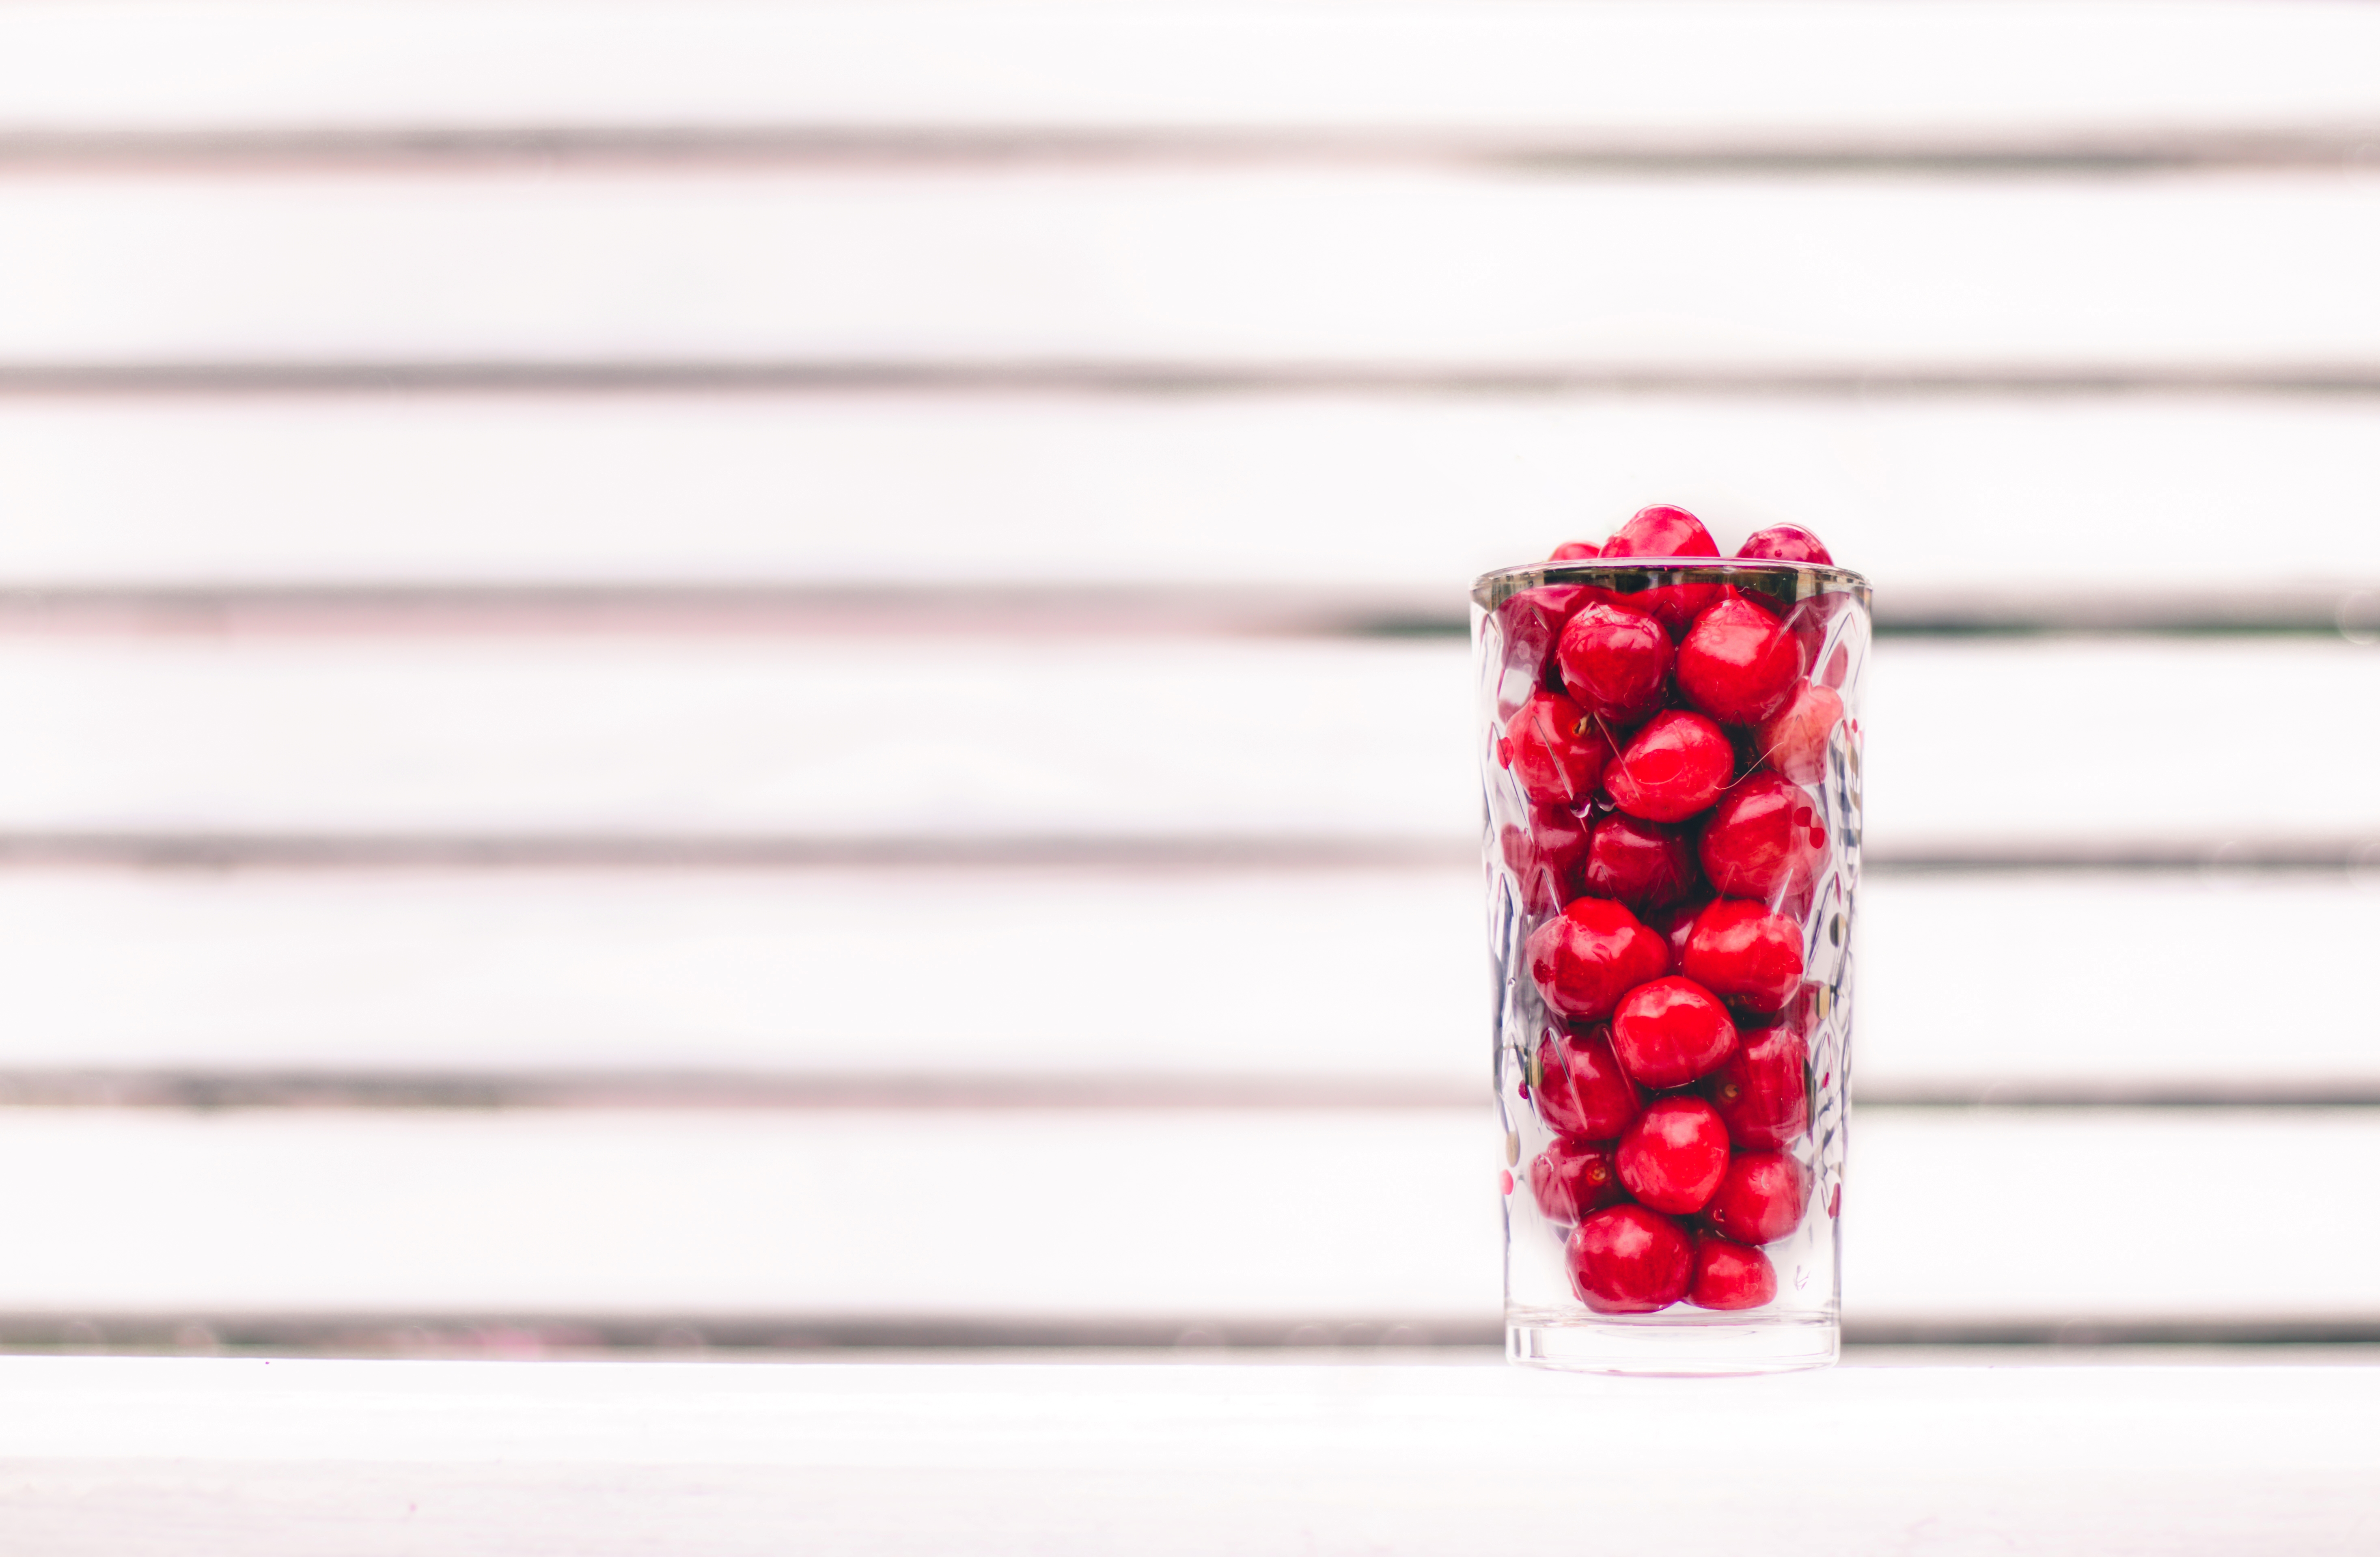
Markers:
540,545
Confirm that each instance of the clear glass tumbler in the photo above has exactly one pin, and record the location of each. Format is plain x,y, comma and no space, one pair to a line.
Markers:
1671,751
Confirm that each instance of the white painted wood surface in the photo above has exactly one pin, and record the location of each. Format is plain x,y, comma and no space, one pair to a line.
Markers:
1372,269
1407,497
1973,746
1352,984
113,1455
1635,73
1152,1215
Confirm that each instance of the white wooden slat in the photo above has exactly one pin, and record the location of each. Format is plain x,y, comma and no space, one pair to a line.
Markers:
1375,269
1411,496
1374,978
1352,984
1638,71
290,1457
1972,746
951,738
1136,1213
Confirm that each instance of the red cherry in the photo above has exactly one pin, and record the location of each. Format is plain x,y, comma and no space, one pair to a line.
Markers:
1764,839
1571,1179
1641,863
1729,1276
1625,1259
1763,1089
1760,1196
1738,663
1794,739
1614,662
1593,952
1674,1156
1675,606
1529,624
1668,1031
1661,531
1674,767
1581,1090
1744,954
1676,922
1575,551
1784,543
1545,854
1555,749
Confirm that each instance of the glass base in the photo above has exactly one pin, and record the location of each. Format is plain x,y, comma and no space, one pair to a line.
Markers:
1684,1344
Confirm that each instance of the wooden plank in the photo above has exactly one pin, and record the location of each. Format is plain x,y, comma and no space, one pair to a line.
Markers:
290,1457
1327,987
1634,74
1337,495
1284,1215
1347,274
964,740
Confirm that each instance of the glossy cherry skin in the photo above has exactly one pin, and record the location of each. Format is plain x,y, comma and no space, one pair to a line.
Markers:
1591,954
1762,1089
1643,864
1674,767
1555,749
1793,740
1546,854
1784,543
1745,956
1581,1091
1765,839
1529,624
1571,1179
1676,922
1575,551
1729,1276
1674,1157
1758,1199
1614,662
1670,1031
1661,531
1738,663
1626,1259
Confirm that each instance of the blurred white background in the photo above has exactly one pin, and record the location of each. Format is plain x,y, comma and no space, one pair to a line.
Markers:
774,673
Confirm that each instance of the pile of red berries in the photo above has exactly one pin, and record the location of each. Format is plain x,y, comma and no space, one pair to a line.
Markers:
1662,739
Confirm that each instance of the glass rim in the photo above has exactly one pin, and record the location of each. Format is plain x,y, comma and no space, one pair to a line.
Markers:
1493,587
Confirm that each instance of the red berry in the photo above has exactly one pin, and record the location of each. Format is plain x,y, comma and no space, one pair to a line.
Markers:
1794,739
1729,1276
1738,663
1555,749
1571,1179
1668,1031
1784,543
1674,1156
1675,606
1765,839
1744,954
1641,863
1674,767
1676,922
1581,1091
1760,1198
1625,1259
1545,854
1528,626
1614,662
1763,1089
1575,551
1661,531
1595,951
